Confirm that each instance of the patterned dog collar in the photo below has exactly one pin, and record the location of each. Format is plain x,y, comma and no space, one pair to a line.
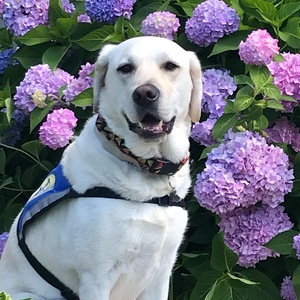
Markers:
154,165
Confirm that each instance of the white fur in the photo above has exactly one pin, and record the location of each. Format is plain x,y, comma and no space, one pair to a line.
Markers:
106,249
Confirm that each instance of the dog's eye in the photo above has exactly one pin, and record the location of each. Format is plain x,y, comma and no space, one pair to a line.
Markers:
170,66
126,68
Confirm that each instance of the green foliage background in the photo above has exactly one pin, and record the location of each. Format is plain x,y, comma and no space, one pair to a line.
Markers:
206,267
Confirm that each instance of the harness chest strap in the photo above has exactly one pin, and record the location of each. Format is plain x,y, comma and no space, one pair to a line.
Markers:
53,191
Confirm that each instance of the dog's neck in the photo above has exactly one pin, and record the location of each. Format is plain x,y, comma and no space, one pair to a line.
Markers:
116,145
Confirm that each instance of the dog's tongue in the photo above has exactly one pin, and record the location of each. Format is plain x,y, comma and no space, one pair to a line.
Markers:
150,123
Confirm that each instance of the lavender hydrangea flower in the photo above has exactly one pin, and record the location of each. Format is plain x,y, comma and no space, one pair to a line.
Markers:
211,20
287,290
161,23
218,85
246,230
2,5
78,85
243,171
296,245
57,131
284,131
286,77
202,132
5,57
109,10
84,18
39,78
3,240
259,48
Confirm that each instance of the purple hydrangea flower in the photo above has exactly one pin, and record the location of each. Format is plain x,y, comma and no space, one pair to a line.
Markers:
296,245
202,132
211,20
287,290
161,23
5,57
68,6
57,130
3,240
40,81
2,5
284,131
259,48
84,18
286,77
78,85
218,85
109,10
247,229
243,171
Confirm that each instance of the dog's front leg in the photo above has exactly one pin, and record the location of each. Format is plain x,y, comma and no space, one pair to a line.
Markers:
94,287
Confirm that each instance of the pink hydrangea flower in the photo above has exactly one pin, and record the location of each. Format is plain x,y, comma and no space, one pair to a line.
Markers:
57,130
161,23
287,78
259,48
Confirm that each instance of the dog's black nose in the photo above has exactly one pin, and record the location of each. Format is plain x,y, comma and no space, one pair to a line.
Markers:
145,95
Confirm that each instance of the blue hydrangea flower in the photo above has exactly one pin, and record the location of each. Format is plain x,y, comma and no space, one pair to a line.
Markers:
5,57
202,132
109,10
3,239
243,171
211,20
218,85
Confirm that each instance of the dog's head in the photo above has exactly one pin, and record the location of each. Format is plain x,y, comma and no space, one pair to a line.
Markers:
145,87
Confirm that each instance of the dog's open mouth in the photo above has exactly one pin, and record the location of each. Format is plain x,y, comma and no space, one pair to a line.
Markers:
150,127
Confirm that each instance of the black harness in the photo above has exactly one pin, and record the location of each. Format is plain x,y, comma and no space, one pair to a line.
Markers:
55,189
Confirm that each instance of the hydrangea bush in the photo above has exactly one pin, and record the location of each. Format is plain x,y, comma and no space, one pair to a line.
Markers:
243,240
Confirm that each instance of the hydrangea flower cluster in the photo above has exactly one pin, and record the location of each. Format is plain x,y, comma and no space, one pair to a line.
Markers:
218,85
161,23
286,77
5,57
259,48
42,79
287,290
78,85
211,20
20,16
243,171
13,134
57,130
109,10
202,132
2,5
246,230
296,245
285,131
3,240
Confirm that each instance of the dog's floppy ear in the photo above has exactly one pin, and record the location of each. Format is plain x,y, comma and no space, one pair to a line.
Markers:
100,72
196,98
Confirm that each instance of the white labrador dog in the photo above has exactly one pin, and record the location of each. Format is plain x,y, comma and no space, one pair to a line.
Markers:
147,89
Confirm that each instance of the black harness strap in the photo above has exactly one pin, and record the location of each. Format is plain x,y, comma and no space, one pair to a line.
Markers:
102,192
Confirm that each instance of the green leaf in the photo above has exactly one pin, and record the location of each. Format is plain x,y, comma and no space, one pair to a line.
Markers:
223,124
261,123
2,161
243,102
93,40
296,281
37,35
230,42
52,56
288,98
229,108
5,38
65,26
271,91
296,188
9,104
291,33
287,10
243,79
283,242
56,11
253,113
33,147
222,258
265,290
207,150
260,75
241,279
85,98
38,114
119,26
204,284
